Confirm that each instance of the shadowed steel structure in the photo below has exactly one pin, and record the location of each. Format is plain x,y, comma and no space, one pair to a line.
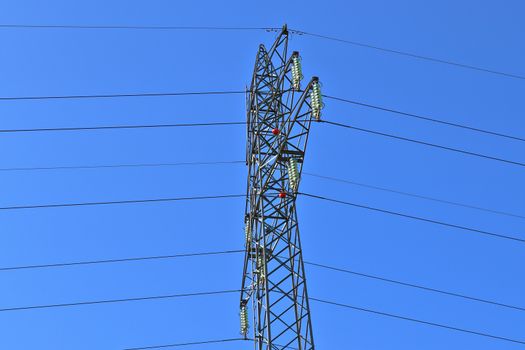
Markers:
279,114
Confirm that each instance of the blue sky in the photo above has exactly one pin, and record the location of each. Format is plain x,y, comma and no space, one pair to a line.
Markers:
37,62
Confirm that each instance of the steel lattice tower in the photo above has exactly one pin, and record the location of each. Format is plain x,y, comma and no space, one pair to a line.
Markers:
279,115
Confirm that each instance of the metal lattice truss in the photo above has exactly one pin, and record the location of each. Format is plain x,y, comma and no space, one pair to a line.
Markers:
279,116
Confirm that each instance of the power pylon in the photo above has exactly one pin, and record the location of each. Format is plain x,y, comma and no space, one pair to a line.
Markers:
279,115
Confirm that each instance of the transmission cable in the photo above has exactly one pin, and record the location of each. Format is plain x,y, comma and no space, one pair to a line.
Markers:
108,261
412,115
268,29
153,200
188,344
408,54
109,127
492,234
221,292
388,280
145,165
137,165
41,26
242,92
228,252
424,143
160,94
380,313
108,301
335,179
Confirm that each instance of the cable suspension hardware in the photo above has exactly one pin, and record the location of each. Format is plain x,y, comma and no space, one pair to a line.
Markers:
297,71
247,232
317,100
244,320
293,174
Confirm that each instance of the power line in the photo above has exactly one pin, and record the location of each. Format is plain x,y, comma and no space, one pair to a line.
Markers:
140,165
188,344
242,92
121,165
268,29
206,342
160,94
424,143
83,303
223,196
107,301
109,127
417,320
498,235
40,26
107,261
412,195
424,118
388,280
408,54
227,252
154,200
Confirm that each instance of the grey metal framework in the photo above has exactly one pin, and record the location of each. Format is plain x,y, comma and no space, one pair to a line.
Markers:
279,115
